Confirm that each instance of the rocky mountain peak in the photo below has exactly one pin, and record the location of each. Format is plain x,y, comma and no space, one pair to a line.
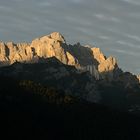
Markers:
108,68
57,36
54,45
98,55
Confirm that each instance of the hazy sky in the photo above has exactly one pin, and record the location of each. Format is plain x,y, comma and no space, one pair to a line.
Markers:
112,25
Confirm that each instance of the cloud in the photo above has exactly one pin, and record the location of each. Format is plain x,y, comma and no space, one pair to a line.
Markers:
134,37
77,1
128,44
45,4
126,52
80,21
104,37
5,8
134,2
18,0
107,17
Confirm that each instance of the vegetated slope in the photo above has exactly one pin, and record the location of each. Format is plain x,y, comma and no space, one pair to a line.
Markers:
55,74
121,93
82,71
26,114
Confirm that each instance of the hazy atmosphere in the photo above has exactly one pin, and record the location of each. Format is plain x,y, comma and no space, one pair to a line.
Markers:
111,25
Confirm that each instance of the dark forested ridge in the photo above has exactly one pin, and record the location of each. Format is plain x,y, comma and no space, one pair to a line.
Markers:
121,93
55,101
26,113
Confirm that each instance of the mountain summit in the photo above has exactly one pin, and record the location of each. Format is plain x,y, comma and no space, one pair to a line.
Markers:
54,45
82,71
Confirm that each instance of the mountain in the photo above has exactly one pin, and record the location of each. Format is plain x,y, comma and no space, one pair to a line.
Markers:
53,90
82,71
82,57
121,93
27,113
53,73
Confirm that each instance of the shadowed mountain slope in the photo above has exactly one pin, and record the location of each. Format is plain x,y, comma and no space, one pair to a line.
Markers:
53,73
25,114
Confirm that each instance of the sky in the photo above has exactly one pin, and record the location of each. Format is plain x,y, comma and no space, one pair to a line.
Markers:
111,25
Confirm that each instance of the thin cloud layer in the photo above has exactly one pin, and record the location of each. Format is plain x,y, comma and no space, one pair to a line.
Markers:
134,2
108,18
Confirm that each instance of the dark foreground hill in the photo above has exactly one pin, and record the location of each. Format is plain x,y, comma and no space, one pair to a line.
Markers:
121,93
27,114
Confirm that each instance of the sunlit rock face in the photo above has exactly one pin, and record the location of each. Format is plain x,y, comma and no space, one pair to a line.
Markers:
57,36
98,55
138,77
51,45
93,60
108,64
19,52
3,52
108,67
85,58
10,52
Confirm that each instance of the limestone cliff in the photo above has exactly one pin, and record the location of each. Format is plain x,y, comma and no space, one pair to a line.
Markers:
98,55
54,45
51,45
108,67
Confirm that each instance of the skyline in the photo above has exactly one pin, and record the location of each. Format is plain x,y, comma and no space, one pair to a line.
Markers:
113,26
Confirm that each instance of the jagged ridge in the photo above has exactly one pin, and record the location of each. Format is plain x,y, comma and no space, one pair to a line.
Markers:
84,58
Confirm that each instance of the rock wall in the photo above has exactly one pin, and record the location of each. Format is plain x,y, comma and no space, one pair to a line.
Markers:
82,57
